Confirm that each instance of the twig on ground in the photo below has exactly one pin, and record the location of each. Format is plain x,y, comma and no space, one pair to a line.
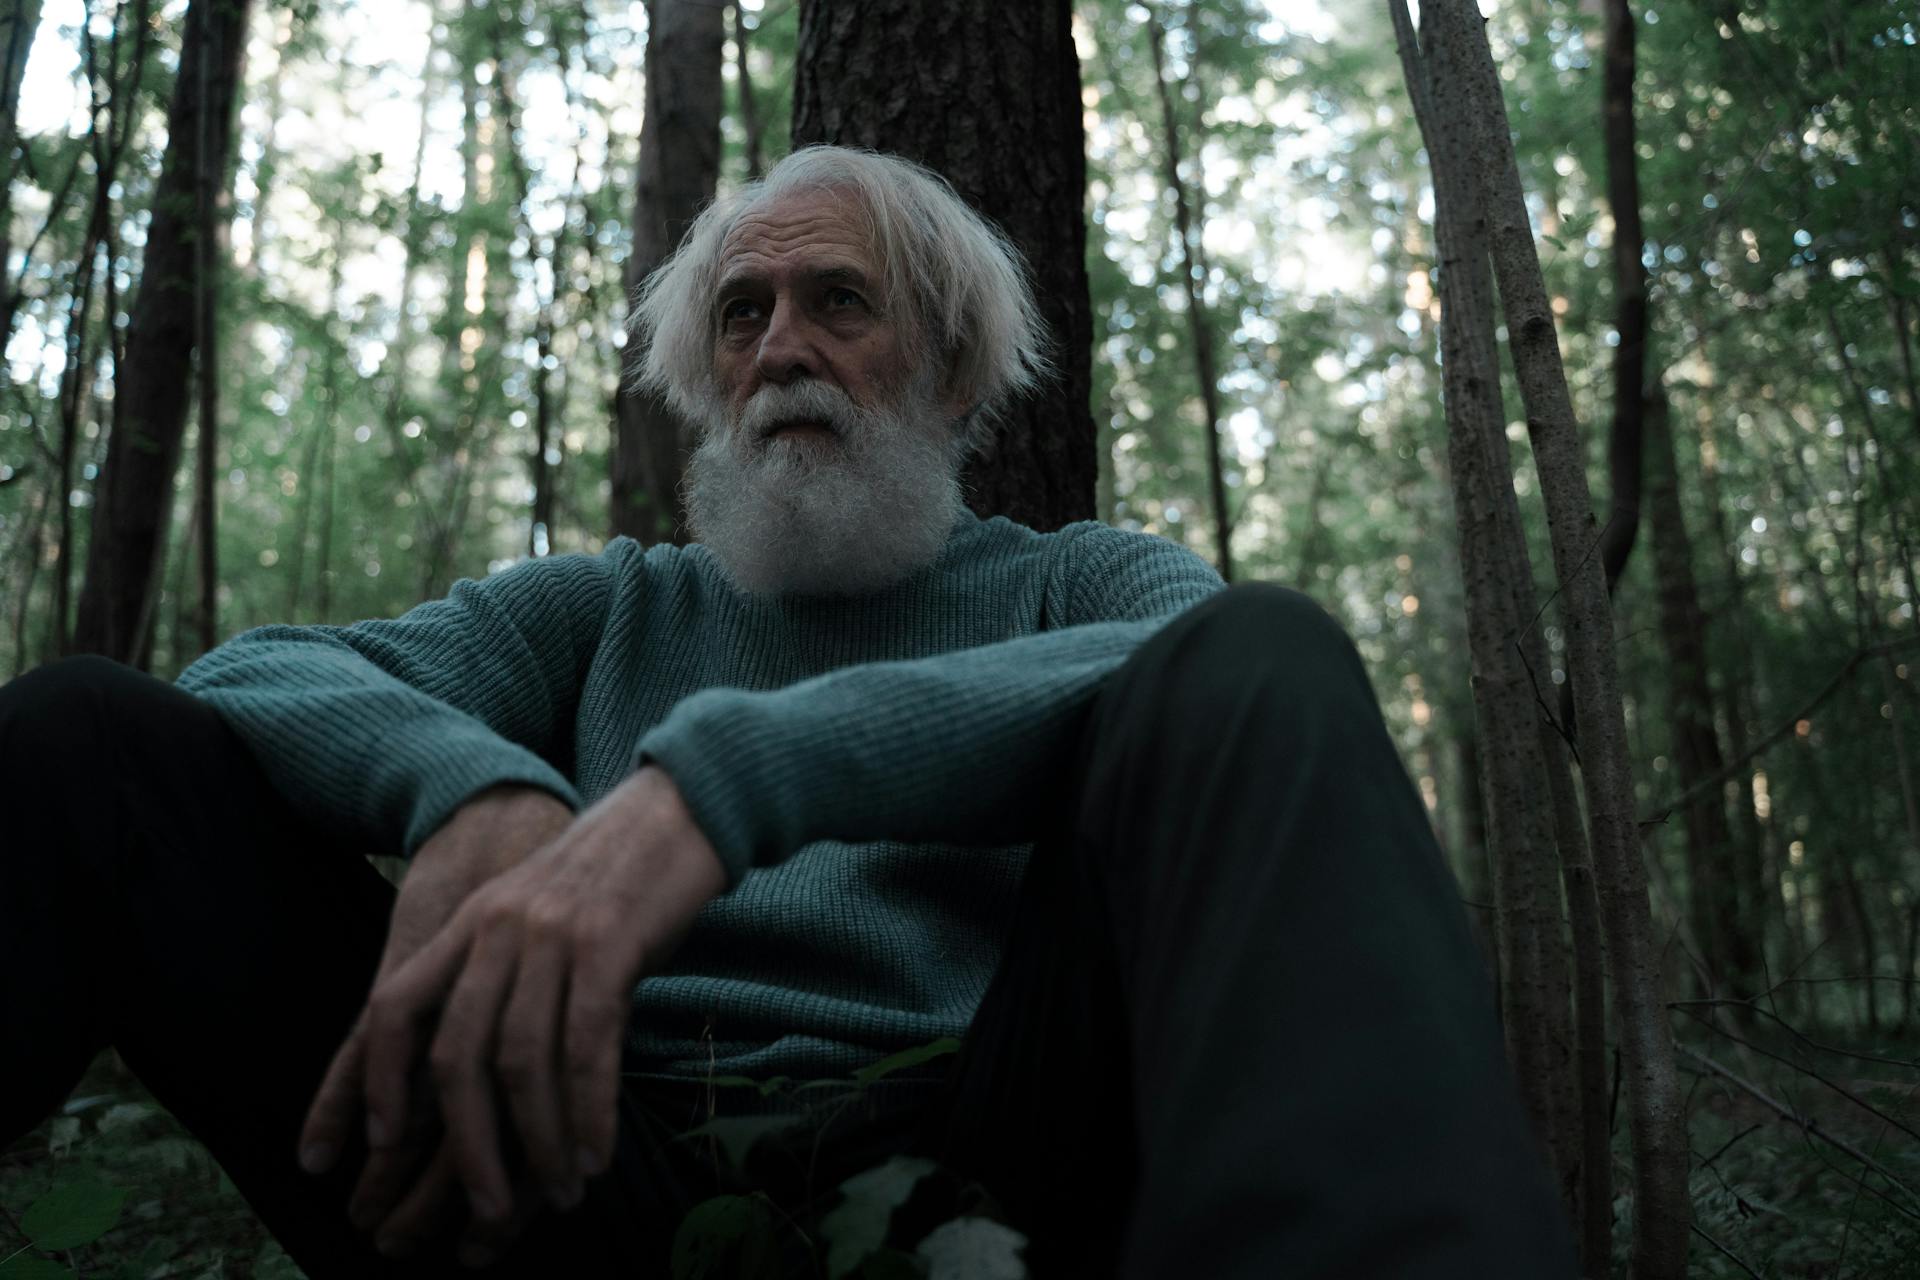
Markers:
1807,1124
1736,1259
1728,1144
1838,1088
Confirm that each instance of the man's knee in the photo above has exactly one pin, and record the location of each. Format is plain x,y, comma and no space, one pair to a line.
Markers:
66,714
1256,645
50,702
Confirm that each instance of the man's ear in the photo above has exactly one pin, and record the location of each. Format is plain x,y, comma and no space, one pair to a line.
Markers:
957,401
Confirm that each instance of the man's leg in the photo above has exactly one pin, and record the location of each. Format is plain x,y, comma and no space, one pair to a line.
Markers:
158,896
1241,1017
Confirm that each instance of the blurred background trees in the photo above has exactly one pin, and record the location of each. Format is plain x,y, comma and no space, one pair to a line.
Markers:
429,212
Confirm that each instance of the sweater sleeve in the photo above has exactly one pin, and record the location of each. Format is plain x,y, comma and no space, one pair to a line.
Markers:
382,729
963,747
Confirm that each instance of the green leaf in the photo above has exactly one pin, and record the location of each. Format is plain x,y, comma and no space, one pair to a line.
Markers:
737,1135
765,1087
24,1266
71,1215
727,1236
907,1058
858,1225
973,1249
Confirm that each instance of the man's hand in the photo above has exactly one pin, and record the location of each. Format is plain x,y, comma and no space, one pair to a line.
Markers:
532,980
490,834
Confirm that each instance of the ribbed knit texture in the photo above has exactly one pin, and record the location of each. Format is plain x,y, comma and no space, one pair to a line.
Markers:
869,769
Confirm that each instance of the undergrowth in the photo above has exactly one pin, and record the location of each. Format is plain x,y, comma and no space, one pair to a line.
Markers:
113,1189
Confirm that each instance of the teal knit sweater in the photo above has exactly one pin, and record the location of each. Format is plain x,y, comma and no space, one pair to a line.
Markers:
869,769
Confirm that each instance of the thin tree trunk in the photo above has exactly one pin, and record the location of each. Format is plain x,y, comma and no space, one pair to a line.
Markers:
749,110
321,433
211,212
36,548
679,167
1715,873
1753,835
1194,281
19,22
330,464
541,472
73,399
105,143
135,489
308,479
110,91
395,369
1718,885
1624,441
1656,1107
989,97
1535,990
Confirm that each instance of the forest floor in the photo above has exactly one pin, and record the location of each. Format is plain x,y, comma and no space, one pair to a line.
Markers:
1772,1197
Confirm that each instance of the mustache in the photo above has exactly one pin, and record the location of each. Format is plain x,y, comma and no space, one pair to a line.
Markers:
814,403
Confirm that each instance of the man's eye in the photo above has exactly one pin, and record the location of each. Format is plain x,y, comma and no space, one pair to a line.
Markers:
842,297
738,309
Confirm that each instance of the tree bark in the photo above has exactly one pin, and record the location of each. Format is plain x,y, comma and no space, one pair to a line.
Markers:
1624,442
135,490
1718,880
1193,278
109,127
212,211
1535,988
749,109
1656,1107
679,167
19,22
989,97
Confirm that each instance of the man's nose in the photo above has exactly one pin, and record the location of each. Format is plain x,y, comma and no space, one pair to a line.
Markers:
786,351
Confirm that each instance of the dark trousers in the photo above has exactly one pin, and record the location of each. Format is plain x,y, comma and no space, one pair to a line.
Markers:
1240,1028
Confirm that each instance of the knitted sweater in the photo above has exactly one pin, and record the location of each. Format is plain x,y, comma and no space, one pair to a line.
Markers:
870,770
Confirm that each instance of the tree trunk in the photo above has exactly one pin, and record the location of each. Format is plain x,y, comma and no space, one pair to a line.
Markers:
1534,984
19,22
1656,1107
1624,442
1193,277
1754,836
749,109
1717,881
108,129
212,210
989,97
679,167
135,490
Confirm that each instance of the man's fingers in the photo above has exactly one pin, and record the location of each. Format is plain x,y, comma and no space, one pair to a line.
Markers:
527,1055
429,1210
483,1242
335,1107
399,1003
462,1062
597,1007
386,1180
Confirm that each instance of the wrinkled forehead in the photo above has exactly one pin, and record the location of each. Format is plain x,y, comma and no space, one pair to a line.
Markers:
816,228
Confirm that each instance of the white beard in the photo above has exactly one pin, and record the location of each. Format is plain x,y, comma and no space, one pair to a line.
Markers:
810,514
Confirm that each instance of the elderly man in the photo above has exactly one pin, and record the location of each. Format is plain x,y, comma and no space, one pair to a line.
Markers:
856,771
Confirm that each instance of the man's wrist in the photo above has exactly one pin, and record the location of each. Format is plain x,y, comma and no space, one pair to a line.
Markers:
650,800
498,827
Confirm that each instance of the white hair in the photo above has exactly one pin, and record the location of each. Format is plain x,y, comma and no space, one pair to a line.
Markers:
956,285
